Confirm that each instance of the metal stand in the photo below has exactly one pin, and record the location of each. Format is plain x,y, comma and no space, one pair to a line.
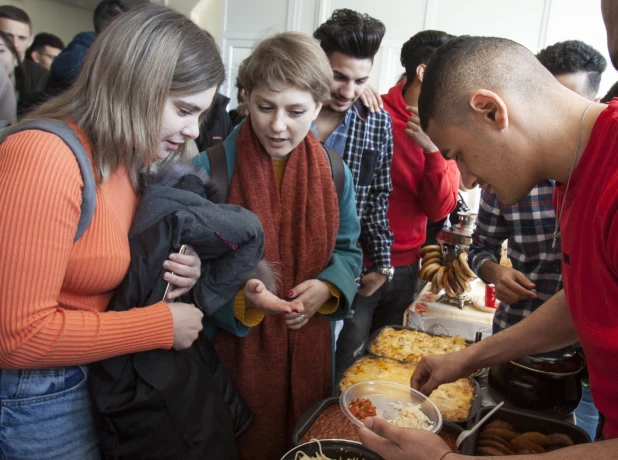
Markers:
458,301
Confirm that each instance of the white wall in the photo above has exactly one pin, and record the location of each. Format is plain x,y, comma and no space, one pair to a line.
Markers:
55,17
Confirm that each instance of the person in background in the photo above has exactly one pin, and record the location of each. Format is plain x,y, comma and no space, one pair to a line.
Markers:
364,141
278,169
30,78
53,291
44,49
67,65
217,124
241,111
510,124
8,102
424,186
529,224
9,61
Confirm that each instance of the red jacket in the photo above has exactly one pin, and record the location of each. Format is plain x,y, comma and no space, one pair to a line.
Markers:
425,185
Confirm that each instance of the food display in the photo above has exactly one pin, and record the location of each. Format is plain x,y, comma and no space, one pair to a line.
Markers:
411,346
499,438
454,400
410,416
331,424
454,279
361,408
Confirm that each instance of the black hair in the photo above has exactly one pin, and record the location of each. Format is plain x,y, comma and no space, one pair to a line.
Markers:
351,33
612,93
41,41
106,11
9,44
419,48
15,14
465,63
574,56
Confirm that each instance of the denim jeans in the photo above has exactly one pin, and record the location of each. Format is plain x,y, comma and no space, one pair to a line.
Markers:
46,414
384,308
586,414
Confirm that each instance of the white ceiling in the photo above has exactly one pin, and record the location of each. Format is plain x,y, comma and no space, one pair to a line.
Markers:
91,4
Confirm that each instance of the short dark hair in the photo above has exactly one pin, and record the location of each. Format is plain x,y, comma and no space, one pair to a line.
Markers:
612,93
351,33
42,40
419,48
15,14
574,56
106,11
465,64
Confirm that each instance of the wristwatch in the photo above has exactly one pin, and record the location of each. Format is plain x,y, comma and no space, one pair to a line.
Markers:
389,272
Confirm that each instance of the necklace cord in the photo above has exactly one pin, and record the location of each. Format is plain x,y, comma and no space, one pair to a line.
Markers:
566,191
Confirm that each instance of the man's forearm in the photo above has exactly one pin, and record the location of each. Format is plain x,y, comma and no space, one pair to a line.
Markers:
548,328
603,450
488,270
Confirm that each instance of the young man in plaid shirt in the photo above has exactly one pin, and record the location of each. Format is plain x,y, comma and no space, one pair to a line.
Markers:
365,142
529,224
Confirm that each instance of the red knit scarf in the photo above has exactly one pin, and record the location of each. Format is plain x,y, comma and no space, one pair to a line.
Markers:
279,372
301,220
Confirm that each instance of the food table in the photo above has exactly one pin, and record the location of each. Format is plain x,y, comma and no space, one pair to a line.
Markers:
431,311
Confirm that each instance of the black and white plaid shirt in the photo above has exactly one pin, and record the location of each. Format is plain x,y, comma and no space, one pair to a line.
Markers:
368,153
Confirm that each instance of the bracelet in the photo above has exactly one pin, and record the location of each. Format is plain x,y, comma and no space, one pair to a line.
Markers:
449,452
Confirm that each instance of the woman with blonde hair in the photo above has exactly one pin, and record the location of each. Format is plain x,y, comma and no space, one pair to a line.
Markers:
279,170
145,84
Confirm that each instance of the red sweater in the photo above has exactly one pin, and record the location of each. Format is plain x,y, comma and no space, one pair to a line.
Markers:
589,229
425,185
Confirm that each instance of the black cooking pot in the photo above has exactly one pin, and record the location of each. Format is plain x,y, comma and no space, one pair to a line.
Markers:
334,448
548,382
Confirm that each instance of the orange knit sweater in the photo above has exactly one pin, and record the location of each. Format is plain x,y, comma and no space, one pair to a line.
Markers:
53,293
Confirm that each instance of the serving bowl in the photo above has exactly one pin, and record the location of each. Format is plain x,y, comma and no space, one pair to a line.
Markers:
384,395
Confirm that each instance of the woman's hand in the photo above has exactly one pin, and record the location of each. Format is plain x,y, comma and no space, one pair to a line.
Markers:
187,321
184,271
257,296
313,294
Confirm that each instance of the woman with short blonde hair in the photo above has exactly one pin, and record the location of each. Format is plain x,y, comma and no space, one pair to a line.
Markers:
146,82
279,170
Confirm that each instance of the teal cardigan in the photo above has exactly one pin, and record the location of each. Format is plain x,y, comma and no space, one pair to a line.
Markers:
342,270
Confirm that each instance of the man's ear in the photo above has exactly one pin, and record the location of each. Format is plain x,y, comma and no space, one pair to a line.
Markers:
490,107
36,57
420,72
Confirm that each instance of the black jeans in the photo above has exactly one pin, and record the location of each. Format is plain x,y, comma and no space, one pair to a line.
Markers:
384,308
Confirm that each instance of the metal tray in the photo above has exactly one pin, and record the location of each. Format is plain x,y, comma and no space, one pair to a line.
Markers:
477,402
307,420
523,422
375,335
312,414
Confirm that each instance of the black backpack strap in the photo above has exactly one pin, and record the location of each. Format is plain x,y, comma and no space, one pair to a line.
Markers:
218,172
64,132
336,166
